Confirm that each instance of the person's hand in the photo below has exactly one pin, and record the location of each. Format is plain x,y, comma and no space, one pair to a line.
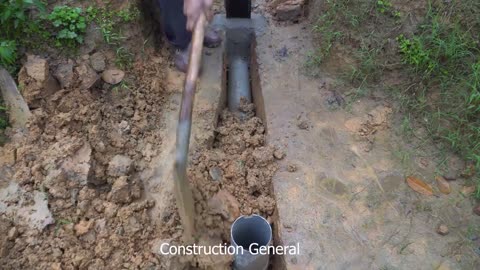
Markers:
193,8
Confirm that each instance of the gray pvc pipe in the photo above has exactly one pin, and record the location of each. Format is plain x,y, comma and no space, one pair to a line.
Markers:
248,230
238,84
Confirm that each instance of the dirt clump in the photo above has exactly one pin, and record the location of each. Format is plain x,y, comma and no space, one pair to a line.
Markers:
245,186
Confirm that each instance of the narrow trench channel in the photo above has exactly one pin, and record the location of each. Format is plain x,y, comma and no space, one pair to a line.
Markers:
240,164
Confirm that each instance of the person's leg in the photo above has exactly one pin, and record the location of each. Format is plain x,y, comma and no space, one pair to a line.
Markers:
174,23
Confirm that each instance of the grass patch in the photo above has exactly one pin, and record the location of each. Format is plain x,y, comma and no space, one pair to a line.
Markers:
439,58
109,22
443,57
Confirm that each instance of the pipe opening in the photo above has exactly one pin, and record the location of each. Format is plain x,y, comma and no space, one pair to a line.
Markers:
248,230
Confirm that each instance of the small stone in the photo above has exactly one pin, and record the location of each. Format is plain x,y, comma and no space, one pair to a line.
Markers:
88,76
442,229
224,204
450,176
64,74
120,192
216,173
292,168
289,10
12,234
83,227
97,60
303,125
119,165
476,210
35,81
8,157
279,154
113,76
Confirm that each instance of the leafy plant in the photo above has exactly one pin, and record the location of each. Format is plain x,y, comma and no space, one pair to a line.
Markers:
15,25
110,20
384,6
70,23
14,16
8,54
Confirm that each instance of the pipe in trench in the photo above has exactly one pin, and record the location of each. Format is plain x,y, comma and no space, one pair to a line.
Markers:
238,85
251,232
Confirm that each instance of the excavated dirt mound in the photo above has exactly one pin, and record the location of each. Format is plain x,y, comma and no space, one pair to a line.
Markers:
71,194
234,177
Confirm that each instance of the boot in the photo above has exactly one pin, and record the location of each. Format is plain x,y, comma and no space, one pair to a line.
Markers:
211,40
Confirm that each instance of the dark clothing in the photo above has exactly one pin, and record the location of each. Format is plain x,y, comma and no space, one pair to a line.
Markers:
174,23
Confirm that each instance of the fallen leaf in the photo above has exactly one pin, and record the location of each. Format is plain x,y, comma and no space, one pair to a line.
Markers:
419,186
443,185
468,190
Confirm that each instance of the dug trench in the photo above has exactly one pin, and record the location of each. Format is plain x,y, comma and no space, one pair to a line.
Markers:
232,175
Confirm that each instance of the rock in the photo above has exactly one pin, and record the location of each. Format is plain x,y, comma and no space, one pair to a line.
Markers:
450,176
279,154
216,173
119,166
291,167
334,100
36,215
12,234
36,68
476,210
289,10
93,38
78,167
120,192
442,229
35,81
83,227
97,60
64,74
303,124
54,177
443,185
113,76
8,156
87,75
224,204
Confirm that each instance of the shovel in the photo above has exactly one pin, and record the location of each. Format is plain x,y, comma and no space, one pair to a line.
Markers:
183,193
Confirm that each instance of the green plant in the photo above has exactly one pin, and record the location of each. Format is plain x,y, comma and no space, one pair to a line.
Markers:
14,16
124,58
3,118
8,53
384,6
129,14
109,21
70,24
16,24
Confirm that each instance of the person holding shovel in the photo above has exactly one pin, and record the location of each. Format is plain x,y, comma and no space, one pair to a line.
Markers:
178,18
